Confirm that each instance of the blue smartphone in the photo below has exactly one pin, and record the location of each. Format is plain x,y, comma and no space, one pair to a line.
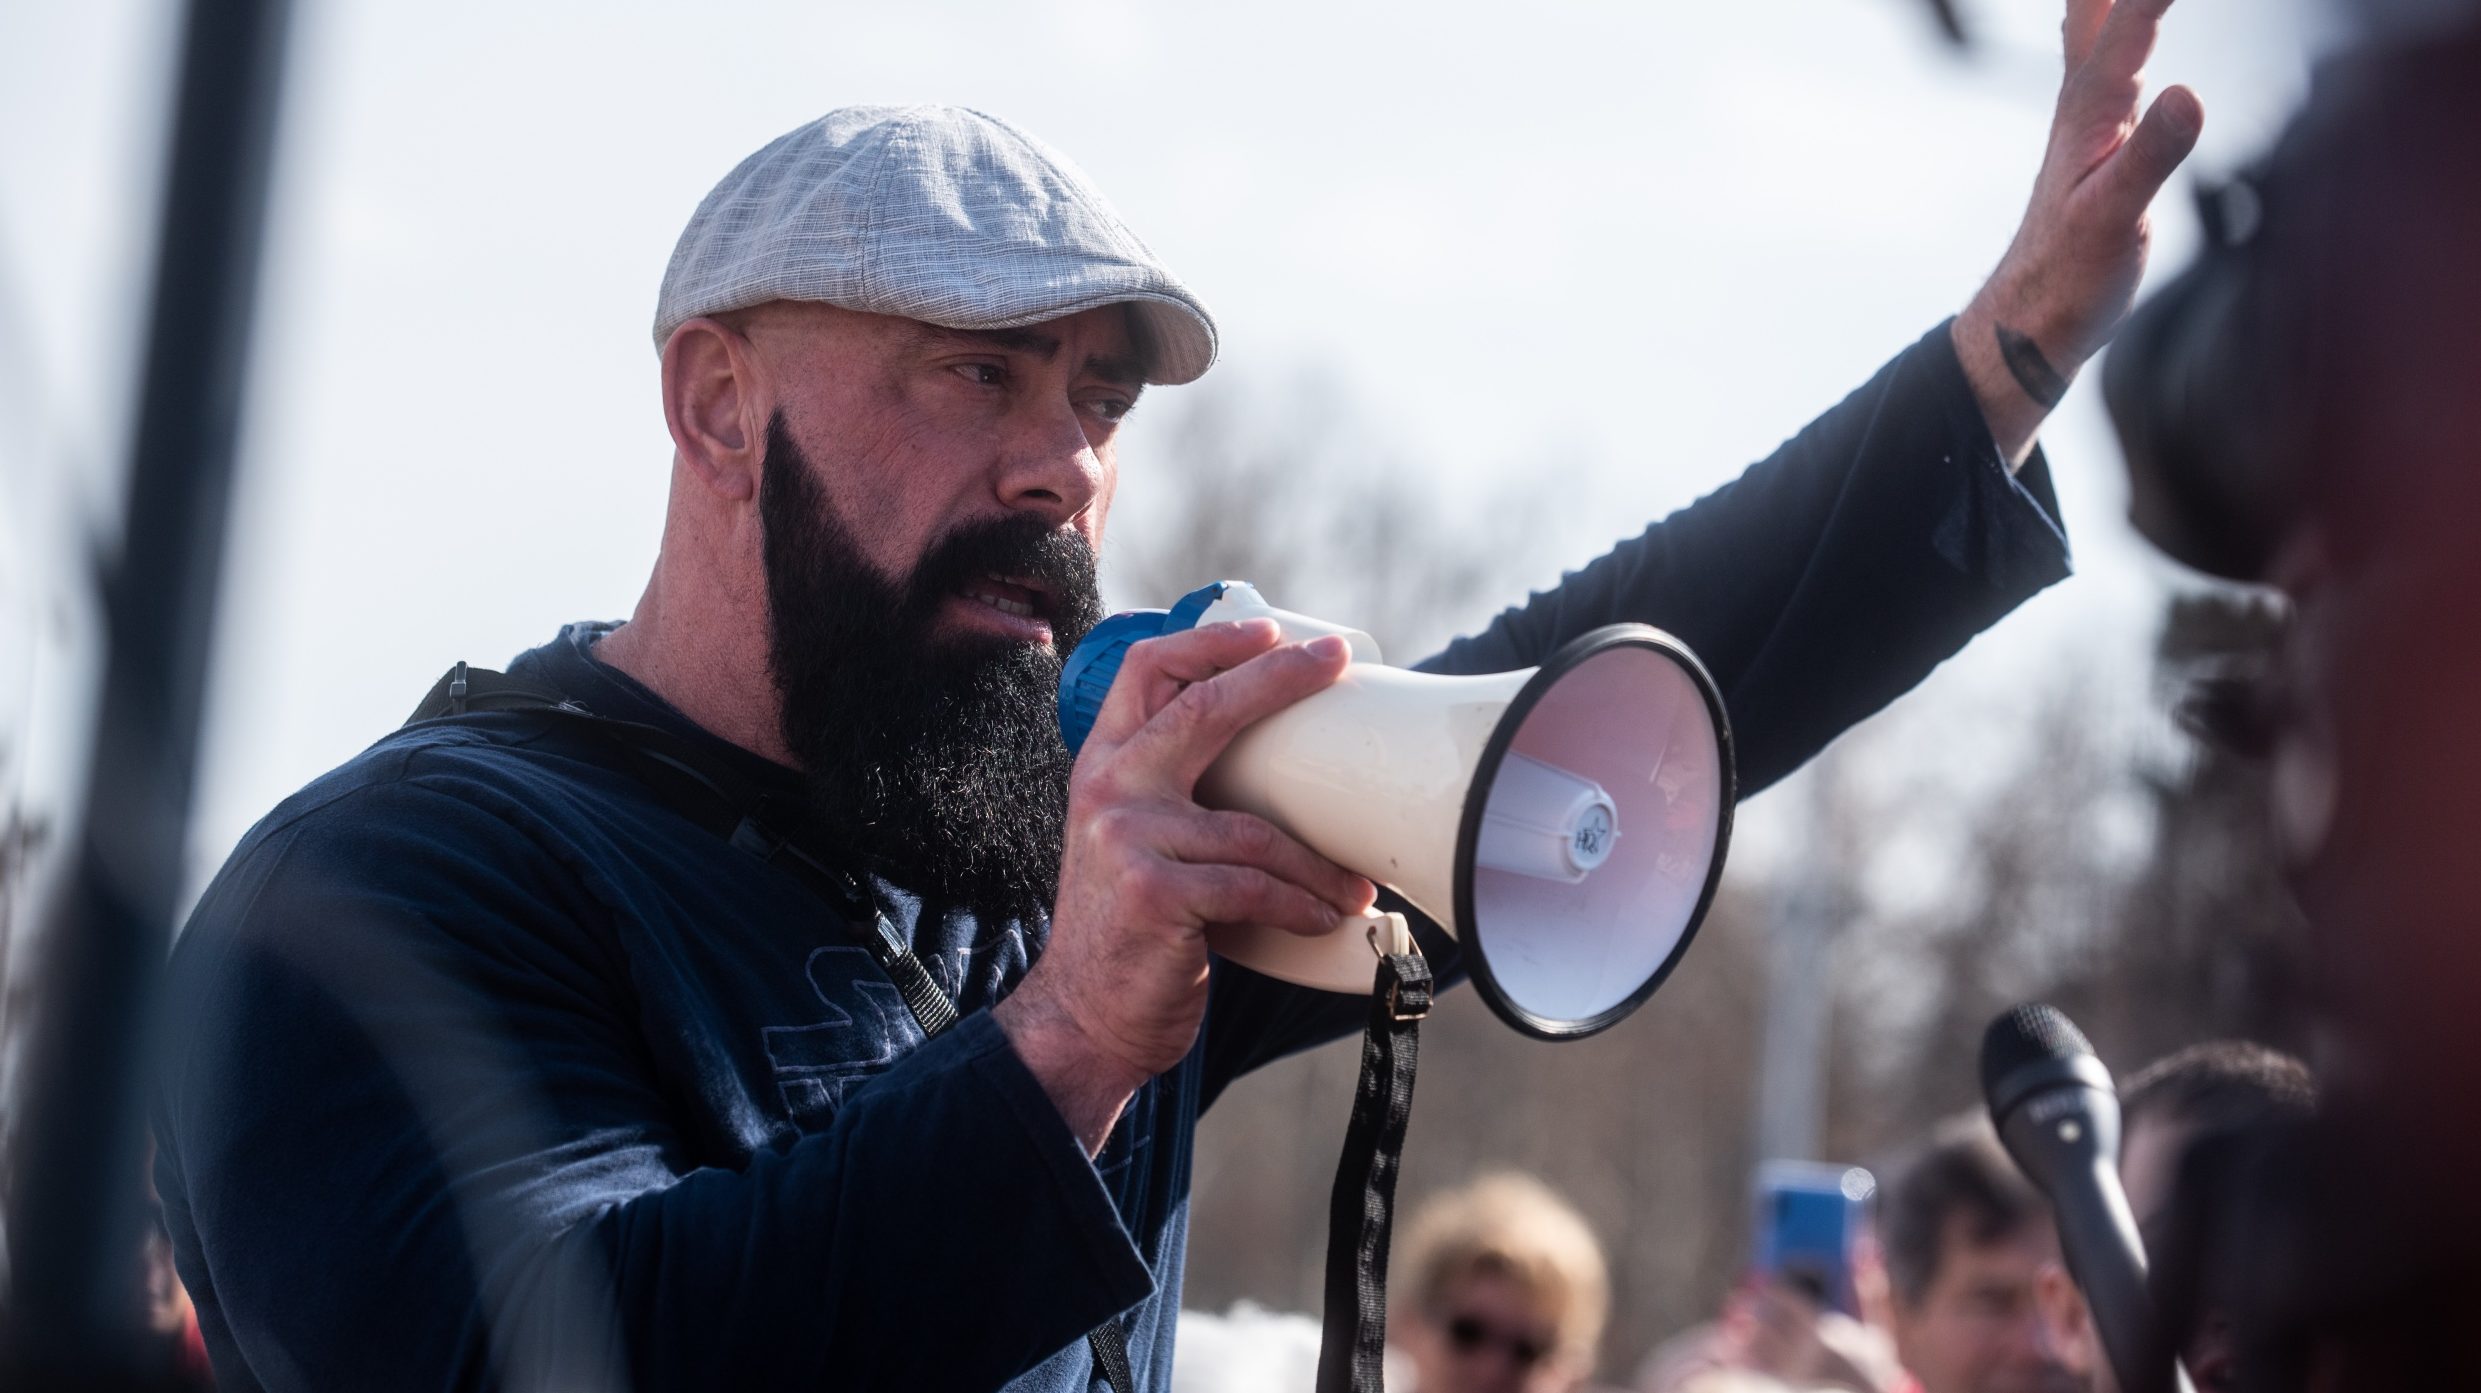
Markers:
1808,1217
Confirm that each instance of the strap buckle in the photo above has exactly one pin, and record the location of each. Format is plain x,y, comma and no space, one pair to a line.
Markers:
456,689
756,838
1402,1015
1398,942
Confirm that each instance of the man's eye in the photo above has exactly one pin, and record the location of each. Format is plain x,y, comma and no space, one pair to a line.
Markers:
983,374
1110,408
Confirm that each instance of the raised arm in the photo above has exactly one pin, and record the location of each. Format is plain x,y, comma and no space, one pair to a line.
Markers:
1830,577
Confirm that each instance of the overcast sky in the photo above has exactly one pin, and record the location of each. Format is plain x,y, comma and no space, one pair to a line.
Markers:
1617,251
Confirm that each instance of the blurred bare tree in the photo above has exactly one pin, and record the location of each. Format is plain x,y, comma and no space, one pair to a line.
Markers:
1284,489
2191,937
2206,942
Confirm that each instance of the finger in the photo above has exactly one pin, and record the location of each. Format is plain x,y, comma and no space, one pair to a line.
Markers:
2083,25
2100,96
2125,39
2161,141
1153,672
1238,839
1191,730
1203,895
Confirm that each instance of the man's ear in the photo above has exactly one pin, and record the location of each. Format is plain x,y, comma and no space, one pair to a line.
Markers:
717,401
2067,1322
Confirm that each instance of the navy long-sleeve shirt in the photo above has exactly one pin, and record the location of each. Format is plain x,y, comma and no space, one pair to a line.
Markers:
489,1068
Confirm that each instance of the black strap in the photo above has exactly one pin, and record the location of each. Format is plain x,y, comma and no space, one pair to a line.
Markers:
1361,1212
1111,1356
722,803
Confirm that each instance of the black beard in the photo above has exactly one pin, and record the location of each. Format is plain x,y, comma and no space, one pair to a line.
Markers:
936,757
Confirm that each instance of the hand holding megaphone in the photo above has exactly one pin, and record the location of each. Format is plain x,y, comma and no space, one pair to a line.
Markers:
1120,990
1566,823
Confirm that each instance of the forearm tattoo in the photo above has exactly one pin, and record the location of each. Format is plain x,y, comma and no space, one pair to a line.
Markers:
2034,373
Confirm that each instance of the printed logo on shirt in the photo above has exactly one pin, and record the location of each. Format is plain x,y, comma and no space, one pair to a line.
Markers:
866,1026
866,1029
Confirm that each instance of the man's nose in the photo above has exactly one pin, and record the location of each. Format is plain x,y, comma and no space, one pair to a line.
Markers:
1049,466
2037,1345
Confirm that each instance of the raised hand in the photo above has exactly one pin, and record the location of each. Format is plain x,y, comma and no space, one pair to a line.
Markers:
2071,274
1121,987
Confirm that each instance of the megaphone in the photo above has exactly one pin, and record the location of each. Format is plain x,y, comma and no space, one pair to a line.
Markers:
1566,823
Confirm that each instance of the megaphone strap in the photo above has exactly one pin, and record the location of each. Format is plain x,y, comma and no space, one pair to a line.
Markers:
1361,1211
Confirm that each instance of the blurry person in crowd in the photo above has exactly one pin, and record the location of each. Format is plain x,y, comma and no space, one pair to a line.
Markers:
176,1351
1965,1239
2183,1098
179,1352
2302,408
2189,1123
1950,1285
1499,1288
1785,1324
1777,1334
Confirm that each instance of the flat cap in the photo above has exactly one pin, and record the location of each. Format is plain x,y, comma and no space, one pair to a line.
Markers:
934,213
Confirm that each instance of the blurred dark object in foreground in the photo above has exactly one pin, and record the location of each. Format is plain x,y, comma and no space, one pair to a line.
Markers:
76,1305
2303,408
1950,24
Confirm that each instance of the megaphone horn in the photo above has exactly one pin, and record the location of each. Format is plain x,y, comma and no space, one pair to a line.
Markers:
1566,824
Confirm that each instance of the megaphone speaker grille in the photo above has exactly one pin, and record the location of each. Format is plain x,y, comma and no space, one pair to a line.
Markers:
1594,832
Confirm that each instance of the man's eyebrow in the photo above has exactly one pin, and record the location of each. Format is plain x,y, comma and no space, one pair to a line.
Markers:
1124,370
1119,372
1042,346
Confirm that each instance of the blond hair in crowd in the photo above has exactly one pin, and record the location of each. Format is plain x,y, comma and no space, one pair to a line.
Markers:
1506,1254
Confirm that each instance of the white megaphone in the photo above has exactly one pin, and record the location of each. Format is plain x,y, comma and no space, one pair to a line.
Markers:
1565,823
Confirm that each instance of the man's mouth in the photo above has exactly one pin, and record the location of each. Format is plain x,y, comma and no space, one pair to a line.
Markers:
1017,595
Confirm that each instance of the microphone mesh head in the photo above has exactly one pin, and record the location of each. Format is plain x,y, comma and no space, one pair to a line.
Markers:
2027,1034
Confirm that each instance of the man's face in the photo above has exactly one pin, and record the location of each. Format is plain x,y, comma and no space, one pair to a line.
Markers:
1978,1329
2149,1157
917,432
2150,1153
929,504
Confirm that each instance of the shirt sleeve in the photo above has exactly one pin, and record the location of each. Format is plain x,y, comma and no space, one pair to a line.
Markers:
1823,583
1828,579
410,1138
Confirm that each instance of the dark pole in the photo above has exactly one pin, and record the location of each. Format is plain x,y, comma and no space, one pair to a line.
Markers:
73,1207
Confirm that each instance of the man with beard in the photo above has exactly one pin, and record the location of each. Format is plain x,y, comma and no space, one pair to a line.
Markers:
500,1058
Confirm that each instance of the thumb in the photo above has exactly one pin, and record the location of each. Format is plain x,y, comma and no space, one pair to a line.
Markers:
2161,141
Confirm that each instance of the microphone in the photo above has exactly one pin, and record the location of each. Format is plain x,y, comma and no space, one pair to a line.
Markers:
2057,1112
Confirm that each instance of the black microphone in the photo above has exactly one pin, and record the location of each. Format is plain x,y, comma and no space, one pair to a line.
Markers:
2058,1113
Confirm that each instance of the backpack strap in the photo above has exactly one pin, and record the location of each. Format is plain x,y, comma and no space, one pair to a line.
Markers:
464,690
700,788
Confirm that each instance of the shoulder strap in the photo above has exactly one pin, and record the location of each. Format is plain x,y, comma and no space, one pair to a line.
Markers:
718,800
464,689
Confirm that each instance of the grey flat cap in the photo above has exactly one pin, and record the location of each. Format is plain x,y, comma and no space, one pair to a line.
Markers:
933,213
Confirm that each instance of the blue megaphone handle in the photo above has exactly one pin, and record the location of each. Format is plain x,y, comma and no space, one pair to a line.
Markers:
1085,679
